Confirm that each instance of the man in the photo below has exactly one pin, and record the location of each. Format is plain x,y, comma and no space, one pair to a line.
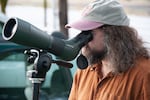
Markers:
119,64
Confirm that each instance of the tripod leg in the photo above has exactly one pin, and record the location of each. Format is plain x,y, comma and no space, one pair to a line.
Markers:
36,87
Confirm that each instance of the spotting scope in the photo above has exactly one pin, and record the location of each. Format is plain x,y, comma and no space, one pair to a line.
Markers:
21,32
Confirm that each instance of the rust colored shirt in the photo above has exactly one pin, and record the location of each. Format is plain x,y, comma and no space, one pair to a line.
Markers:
134,84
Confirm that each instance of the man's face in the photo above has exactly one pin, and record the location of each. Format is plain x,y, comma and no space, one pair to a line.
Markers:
95,49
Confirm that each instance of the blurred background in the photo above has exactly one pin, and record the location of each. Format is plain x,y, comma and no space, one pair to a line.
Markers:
50,16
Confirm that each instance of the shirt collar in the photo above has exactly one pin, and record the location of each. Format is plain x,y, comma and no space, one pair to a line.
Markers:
97,68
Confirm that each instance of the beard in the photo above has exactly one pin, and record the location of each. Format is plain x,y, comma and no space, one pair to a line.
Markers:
94,56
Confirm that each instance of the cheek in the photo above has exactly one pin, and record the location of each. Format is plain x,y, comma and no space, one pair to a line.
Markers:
97,44
85,50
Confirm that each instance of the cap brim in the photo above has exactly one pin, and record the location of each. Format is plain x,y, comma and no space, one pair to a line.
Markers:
84,25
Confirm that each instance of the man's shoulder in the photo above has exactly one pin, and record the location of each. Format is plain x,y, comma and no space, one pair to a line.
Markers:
142,66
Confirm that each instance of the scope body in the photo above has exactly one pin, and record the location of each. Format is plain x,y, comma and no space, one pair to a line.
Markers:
21,32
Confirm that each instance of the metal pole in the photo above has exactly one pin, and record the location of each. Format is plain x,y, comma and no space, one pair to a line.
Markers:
36,87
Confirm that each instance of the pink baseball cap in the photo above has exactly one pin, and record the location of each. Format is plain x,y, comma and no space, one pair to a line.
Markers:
84,25
101,12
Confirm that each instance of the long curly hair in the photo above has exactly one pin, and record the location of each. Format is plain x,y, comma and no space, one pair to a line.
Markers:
123,46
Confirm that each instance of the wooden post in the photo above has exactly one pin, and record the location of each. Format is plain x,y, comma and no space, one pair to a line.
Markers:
63,18
3,4
45,13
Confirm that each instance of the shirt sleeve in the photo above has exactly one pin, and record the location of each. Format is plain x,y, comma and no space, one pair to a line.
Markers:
73,93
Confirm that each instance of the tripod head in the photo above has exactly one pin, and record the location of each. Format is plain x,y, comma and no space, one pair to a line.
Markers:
41,63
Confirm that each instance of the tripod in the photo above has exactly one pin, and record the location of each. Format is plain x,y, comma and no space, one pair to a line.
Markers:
41,64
